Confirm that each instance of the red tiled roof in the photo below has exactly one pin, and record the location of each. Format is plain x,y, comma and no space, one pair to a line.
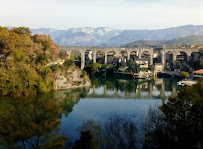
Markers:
198,71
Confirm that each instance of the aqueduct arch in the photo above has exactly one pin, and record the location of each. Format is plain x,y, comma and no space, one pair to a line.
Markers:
129,51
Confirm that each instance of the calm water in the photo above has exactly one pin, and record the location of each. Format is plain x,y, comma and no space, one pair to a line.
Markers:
113,95
39,117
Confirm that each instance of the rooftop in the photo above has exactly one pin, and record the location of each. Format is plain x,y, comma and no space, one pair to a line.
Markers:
199,71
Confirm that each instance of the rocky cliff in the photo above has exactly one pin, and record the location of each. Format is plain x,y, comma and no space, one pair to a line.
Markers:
72,77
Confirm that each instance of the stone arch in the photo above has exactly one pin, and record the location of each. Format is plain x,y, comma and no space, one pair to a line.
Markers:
123,55
169,60
195,56
100,56
182,56
111,57
75,55
134,54
89,56
146,56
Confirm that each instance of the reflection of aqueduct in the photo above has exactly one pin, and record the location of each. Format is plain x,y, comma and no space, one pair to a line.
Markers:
139,51
146,90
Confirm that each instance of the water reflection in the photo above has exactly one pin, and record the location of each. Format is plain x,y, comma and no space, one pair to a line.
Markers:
30,123
66,99
35,122
113,87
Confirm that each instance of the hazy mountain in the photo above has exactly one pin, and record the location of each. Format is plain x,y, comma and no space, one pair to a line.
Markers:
79,36
105,36
129,36
197,40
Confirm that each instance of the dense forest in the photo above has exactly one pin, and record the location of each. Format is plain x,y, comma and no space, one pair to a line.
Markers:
23,62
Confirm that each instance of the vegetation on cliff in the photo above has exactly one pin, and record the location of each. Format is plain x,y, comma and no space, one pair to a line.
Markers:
28,62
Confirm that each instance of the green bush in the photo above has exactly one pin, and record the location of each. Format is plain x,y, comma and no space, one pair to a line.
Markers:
68,63
143,69
152,69
123,63
131,63
105,66
42,58
184,74
55,68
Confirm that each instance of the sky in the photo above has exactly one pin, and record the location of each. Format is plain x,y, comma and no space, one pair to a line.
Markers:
118,14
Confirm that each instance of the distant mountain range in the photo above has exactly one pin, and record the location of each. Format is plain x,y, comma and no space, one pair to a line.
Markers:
79,36
106,37
189,40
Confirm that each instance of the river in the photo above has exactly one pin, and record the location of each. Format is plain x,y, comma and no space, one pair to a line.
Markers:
66,110
115,95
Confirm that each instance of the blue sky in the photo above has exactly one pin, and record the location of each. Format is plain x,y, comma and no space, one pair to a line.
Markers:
120,14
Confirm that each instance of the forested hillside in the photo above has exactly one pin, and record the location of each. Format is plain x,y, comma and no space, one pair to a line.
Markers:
23,63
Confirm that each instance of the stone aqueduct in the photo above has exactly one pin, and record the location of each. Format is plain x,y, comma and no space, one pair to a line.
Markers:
117,50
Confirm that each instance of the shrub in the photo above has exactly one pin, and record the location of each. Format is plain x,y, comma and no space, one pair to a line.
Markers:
152,69
55,68
184,74
68,63
143,69
105,66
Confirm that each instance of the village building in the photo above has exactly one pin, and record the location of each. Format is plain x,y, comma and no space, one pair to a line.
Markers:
158,67
198,73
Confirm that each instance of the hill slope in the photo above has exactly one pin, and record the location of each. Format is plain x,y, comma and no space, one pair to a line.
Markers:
197,40
128,36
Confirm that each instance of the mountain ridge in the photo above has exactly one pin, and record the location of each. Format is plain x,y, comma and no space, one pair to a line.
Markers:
189,40
109,37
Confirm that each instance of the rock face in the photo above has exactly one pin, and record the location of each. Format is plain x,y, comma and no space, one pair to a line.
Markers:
71,78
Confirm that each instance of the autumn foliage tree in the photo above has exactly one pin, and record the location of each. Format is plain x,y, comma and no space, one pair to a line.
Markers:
30,123
23,62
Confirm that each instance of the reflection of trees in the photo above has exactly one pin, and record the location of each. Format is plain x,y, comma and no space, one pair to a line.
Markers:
178,123
119,131
66,99
30,123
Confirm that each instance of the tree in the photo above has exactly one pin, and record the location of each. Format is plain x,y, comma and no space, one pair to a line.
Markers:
123,63
184,74
179,122
69,63
105,66
22,30
23,63
131,63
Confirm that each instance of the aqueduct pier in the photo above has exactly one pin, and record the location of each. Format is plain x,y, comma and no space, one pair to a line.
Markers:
139,51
